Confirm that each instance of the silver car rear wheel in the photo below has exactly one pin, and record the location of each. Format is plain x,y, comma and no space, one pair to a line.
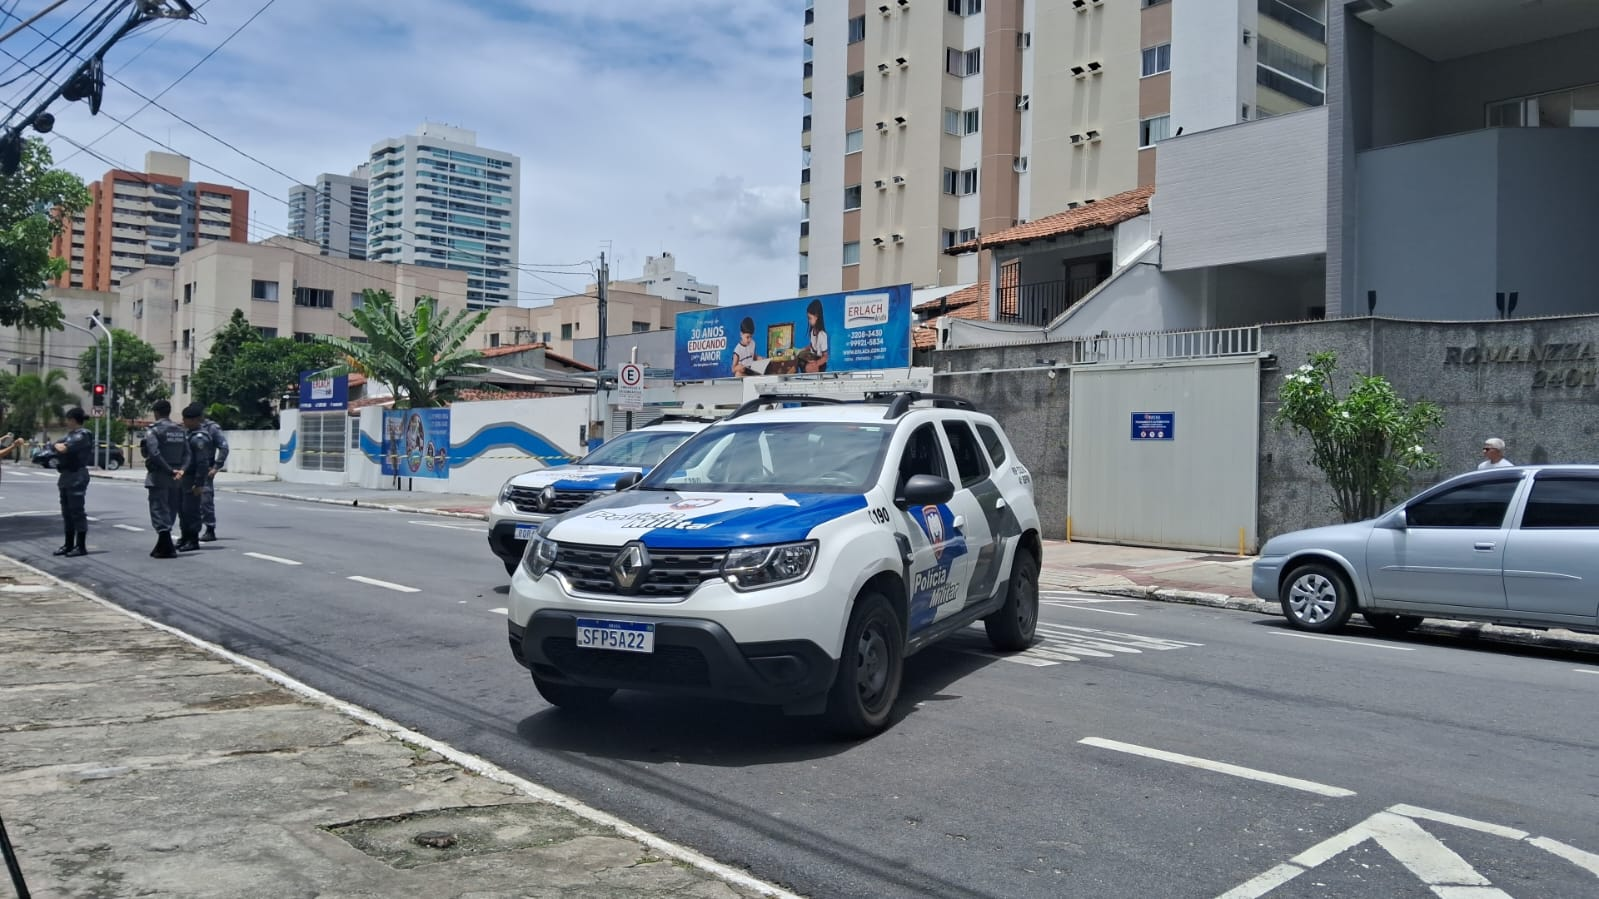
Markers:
1316,597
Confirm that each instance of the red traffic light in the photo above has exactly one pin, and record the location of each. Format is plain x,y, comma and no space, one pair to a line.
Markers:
99,390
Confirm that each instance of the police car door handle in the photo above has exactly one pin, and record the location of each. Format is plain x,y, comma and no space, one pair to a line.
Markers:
960,522
999,503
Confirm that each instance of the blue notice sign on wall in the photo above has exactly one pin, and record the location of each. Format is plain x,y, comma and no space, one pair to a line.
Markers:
1154,425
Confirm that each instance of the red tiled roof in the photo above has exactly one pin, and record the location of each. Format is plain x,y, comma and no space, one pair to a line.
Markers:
357,379
969,303
1106,213
525,347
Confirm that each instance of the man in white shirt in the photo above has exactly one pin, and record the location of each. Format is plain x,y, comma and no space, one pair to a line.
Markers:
1494,451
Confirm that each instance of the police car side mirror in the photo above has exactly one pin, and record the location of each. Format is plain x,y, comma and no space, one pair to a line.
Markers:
628,480
924,490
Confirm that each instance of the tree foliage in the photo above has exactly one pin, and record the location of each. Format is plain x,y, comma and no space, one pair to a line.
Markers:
36,203
414,353
38,402
245,375
135,372
1366,442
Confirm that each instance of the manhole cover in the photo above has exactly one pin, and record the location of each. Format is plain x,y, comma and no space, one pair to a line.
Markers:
441,835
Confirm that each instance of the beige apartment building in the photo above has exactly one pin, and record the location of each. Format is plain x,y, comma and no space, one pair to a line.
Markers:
931,122
285,287
577,317
24,351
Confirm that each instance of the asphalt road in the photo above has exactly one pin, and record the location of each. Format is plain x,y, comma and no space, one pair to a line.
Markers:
1141,749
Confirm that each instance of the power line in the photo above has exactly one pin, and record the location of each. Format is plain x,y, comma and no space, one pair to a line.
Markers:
93,29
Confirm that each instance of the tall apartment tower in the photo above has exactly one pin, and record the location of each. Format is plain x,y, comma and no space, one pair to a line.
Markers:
332,213
931,122
135,220
437,199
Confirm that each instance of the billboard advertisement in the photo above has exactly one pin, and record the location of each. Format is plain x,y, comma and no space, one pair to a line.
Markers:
860,330
328,393
416,443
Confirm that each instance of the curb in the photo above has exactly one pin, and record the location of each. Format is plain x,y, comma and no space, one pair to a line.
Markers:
1189,597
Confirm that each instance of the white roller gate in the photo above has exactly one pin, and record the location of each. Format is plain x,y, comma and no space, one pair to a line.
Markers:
1194,488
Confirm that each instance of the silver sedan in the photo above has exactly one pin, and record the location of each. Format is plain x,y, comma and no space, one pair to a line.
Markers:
1517,546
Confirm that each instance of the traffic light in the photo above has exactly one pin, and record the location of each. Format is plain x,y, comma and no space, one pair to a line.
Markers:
99,394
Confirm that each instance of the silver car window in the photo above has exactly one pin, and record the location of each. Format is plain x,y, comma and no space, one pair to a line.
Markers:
1562,503
1481,504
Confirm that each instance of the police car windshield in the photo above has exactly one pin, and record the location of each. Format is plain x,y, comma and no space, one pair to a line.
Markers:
636,449
776,457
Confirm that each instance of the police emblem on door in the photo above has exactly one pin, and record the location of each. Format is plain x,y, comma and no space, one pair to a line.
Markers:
933,523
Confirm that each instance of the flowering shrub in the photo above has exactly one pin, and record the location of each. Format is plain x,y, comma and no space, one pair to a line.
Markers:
1367,443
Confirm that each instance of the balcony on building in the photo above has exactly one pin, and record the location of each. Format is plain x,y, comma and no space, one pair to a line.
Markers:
1474,130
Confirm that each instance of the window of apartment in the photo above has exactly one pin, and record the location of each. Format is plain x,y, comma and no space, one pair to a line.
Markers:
185,383
546,338
853,142
857,29
265,291
960,182
357,299
1152,131
494,341
962,63
185,338
852,253
188,293
805,210
267,333
961,121
852,197
1292,63
640,327
951,237
964,7
855,85
313,297
1157,59
566,332
1572,108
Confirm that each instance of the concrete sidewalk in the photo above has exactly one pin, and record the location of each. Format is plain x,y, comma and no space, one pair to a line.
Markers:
135,761
458,505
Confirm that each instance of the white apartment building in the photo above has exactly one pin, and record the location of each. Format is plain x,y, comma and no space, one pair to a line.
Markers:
332,213
929,124
663,279
439,200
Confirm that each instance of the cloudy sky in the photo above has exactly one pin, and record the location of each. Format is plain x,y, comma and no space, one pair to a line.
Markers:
642,125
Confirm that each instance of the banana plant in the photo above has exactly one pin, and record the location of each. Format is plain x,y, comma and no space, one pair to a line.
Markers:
415,353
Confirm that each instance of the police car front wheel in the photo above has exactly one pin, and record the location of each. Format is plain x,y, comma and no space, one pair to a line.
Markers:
869,670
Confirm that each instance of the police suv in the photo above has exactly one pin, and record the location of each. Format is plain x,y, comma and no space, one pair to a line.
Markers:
791,556
529,499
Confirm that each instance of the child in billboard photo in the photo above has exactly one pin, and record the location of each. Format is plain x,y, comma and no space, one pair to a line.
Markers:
816,354
745,362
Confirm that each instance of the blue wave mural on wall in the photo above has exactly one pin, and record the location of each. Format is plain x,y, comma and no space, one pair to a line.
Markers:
501,435
286,451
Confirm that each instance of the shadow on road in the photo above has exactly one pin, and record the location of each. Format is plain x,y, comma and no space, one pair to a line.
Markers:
1428,634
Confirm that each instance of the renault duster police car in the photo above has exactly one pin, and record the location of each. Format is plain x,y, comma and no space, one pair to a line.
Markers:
529,499
788,556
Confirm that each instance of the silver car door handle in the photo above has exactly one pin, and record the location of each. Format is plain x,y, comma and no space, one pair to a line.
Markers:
1483,547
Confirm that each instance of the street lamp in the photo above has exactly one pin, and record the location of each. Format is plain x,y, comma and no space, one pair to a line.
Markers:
94,337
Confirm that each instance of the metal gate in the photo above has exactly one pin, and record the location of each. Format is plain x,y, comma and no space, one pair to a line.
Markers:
1166,453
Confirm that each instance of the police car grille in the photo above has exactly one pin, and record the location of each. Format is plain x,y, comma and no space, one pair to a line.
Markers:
673,573
526,499
671,665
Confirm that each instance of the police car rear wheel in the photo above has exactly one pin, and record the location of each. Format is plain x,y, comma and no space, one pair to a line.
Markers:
1011,629
869,671
572,696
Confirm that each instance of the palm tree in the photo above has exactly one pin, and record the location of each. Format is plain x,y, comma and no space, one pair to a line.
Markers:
412,353
37,401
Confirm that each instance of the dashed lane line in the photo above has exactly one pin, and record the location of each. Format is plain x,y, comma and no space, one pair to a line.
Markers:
448,527
1085,607
1367,644
128,527
1586,670
400,588
278,559
1308,786
499,611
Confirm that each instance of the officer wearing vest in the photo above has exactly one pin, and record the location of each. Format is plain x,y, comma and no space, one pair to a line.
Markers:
166,455
74,454
201,457
208,500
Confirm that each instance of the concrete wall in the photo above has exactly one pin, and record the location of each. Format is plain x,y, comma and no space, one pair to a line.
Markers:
1464,87
1403,110
1140,298
253,452
1244,193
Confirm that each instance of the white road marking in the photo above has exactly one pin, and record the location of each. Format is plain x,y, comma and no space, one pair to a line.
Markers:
499,611
273,505
266,558
1055,603
448,527
1586,860
1220,767
20,514
1364,643
1586,670
1411,811
91,518
128,527
384,584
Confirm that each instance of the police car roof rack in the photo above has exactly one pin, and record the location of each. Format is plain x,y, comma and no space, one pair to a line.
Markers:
900,401
672,417
772,399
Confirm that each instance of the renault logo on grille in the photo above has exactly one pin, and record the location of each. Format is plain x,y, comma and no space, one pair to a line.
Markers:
631,565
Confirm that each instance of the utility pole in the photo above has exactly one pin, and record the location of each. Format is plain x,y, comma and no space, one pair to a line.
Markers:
604,293
110,369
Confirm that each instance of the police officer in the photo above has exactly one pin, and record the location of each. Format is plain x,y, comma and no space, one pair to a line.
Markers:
74,455
166,455
208,500
201,459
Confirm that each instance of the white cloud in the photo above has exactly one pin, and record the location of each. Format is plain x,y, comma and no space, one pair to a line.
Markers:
641,125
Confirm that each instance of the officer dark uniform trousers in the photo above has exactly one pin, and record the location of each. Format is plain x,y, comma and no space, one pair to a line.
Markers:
166,455
73,483
195,475
208,500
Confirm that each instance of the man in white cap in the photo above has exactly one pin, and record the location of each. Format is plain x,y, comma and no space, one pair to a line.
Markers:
1494,454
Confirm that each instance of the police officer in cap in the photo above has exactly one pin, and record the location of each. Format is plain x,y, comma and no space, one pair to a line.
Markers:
166,455
74,454
208,499
195,473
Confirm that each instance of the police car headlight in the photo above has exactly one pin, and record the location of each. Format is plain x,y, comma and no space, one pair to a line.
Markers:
768,566
505,492
540,555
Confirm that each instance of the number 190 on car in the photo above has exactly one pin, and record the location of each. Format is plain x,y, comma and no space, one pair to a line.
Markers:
625,636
